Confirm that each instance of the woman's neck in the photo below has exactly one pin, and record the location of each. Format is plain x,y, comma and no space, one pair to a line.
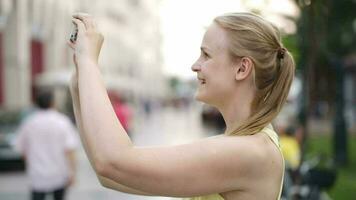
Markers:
237,110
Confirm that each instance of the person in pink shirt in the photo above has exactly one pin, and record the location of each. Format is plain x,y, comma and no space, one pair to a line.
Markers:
122,111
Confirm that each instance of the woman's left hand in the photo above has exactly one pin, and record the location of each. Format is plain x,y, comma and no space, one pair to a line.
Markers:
89,40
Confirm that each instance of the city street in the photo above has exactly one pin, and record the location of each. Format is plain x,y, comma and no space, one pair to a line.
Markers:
165,126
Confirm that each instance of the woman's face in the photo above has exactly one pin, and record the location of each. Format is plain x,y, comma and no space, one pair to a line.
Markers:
214,68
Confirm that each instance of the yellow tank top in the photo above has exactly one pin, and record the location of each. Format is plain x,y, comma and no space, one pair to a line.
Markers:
274,137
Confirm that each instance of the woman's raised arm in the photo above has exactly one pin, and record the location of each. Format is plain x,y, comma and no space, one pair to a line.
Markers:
106,182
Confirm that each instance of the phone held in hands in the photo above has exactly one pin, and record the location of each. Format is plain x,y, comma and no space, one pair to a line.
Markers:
74,34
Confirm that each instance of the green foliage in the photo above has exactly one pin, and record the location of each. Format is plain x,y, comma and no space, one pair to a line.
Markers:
341,27
290,42
327,28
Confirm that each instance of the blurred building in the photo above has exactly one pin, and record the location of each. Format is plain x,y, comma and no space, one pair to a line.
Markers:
33,50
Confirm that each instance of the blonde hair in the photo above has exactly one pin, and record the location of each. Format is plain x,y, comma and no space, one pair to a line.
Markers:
252,36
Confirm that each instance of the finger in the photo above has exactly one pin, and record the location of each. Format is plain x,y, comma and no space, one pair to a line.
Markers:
86,19
80,14
80,25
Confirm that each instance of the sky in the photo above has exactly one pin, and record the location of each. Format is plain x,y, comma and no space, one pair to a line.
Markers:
183,24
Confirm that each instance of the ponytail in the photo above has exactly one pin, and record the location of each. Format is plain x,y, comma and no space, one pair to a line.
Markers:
269,100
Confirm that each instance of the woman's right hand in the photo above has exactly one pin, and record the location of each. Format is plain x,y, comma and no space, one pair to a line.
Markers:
89,41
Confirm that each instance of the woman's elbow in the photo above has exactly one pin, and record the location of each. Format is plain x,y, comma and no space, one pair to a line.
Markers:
102,181
102,168
106,168
105,182
110,166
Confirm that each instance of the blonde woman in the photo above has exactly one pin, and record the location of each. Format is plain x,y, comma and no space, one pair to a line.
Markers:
243,70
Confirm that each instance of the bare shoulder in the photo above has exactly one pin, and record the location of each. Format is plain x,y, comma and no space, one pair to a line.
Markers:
268,153
266,163
258,156
258,146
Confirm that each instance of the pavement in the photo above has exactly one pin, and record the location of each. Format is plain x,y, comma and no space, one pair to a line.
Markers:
163,127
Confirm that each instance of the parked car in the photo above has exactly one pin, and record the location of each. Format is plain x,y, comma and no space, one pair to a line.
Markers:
9,158
212,117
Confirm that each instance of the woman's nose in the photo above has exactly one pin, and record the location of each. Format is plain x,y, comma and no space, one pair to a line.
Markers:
195,67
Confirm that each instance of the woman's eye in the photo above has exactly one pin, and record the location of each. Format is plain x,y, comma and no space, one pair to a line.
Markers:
205,54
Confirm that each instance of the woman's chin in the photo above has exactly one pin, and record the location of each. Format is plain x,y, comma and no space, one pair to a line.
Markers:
200,97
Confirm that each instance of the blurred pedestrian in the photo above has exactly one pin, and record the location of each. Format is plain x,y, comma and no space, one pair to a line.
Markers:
243,70
122,111
285,127
47,140
290,148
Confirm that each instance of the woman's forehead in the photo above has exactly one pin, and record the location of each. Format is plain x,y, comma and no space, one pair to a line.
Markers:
215,38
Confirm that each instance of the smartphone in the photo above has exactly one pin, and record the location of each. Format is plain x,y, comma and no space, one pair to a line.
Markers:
74,34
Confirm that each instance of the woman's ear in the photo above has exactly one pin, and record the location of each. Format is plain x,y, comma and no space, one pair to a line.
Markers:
243,68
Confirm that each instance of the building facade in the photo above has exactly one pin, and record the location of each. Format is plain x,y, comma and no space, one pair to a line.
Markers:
34,53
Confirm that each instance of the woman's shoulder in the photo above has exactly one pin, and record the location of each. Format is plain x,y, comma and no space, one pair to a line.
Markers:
247,150
253,159
257,150
266,146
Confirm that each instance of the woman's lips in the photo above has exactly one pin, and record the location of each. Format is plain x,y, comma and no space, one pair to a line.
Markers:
202,81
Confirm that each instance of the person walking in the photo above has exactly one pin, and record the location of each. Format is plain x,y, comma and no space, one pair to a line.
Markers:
47,140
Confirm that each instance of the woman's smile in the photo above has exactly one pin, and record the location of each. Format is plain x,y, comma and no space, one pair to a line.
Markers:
201,81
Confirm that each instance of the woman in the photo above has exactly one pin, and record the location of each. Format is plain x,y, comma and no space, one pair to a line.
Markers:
243,70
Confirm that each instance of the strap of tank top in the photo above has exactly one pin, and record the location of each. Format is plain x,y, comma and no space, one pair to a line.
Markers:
268,130
271,134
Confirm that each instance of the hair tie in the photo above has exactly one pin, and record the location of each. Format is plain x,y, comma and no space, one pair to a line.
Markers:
281,52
